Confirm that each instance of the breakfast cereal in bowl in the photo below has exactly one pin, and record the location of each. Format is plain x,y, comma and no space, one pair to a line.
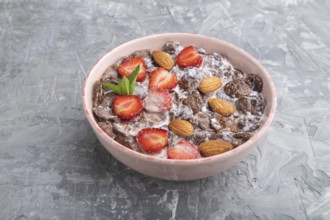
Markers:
178,102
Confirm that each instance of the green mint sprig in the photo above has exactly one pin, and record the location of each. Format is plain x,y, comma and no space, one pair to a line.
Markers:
125,85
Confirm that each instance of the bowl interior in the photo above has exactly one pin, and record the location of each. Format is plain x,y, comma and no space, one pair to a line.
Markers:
239,58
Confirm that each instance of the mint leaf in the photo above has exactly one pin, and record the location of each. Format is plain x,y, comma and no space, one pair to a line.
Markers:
124,86
115,88
132,79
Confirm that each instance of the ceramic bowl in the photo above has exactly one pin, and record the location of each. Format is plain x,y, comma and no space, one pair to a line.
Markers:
180,170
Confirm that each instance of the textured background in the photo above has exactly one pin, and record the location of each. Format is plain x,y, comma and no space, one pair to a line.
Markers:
53,167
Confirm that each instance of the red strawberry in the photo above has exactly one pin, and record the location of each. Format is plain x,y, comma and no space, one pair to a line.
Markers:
183,150
161,79
152,140
127,107
128,66
189,57
157,101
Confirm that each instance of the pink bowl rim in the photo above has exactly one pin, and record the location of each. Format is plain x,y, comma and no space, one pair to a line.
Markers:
219,157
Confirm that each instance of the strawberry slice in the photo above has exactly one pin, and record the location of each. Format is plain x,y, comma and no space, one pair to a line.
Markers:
161,80
128,66
189,57
157,101
183,150
152,140
127,107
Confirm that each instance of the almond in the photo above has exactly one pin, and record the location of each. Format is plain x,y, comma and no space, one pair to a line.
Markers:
181,127
221,106
214,147
163,59
210,84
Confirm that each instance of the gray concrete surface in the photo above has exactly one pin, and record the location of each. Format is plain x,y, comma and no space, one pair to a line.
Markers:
53,167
